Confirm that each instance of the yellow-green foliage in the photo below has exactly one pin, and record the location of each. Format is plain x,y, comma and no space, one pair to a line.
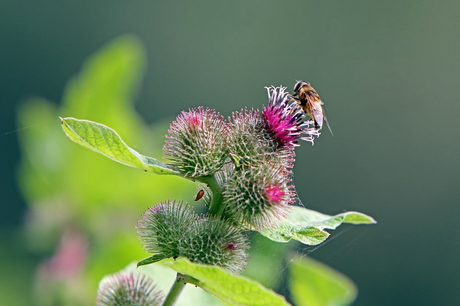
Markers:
67,186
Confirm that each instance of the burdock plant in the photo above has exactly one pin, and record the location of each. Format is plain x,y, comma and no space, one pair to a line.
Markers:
244,167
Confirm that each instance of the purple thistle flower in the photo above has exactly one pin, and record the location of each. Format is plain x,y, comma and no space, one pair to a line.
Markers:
274,194
284,119
194,119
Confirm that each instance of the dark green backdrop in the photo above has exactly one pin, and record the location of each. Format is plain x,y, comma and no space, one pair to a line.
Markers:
388,72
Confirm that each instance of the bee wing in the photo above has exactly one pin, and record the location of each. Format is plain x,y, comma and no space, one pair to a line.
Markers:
317,113
325,119
327,123
319,116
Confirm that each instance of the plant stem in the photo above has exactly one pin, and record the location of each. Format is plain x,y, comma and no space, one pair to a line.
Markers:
216,208
175,291
178,286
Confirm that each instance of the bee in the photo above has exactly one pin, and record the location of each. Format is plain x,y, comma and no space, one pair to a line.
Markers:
310,102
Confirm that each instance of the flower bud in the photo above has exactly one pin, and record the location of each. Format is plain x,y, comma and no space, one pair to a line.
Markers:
251,142
123,289
196,142
162,226
216,242
258,195
246,138
173,230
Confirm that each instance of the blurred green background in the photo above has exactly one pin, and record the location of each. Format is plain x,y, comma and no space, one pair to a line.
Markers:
388,72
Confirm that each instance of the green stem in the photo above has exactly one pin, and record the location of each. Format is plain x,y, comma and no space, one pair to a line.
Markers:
216,208
175,291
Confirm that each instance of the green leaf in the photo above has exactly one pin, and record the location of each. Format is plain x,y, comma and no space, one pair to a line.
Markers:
230,289
102,139
150,260
286,231
307,226
315,284
303,216
164,278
